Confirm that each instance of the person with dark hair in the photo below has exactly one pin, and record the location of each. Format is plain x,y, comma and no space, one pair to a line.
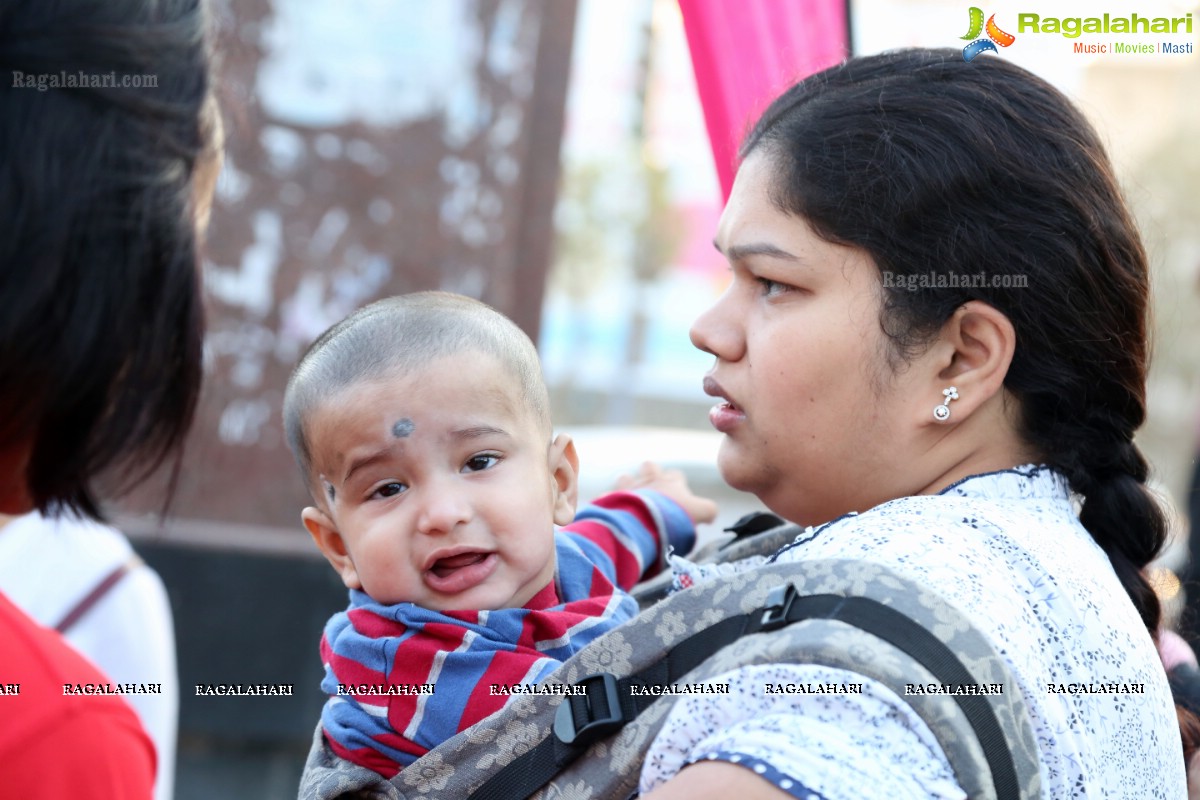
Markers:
933,352
108,150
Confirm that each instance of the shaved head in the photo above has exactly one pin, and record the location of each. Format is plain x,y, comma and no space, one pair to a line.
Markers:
399,335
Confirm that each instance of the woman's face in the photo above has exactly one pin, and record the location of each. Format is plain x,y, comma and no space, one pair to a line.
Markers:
800,368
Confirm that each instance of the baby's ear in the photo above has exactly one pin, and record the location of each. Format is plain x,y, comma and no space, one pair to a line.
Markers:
331,544
564,478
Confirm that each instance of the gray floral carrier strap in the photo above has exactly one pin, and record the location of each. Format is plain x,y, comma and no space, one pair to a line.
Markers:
838,613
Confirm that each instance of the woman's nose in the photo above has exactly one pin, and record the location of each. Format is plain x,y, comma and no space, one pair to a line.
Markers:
717,330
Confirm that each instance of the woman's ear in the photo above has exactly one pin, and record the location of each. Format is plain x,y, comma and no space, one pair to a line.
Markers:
331,544
972,354
564,478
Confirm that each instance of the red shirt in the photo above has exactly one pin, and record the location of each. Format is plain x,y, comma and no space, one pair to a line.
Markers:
52,746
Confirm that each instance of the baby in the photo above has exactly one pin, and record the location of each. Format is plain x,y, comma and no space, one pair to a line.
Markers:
421,425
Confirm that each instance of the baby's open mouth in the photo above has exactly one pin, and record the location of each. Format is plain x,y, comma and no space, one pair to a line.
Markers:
461,571
447,566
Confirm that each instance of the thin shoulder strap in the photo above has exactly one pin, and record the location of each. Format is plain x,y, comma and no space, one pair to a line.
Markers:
97,594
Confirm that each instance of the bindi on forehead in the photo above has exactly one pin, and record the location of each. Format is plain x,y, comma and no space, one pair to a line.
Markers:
403,428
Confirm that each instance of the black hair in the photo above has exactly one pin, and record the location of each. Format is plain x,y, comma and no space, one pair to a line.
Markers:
934,165
101,321
399,334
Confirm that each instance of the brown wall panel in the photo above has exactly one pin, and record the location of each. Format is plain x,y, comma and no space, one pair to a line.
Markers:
373,149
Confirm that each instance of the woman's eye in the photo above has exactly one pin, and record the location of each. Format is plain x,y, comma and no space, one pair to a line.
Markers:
481,462
389,489
770,287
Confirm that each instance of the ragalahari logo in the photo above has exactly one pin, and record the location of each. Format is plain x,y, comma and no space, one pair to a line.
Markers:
995,36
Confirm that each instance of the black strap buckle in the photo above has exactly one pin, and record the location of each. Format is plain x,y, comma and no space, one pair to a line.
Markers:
778,606
600,707
754,523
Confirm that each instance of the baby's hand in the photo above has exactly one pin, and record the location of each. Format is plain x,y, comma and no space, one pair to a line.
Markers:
674,485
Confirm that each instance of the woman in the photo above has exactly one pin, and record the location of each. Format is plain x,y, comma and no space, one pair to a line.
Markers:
102,185
938,318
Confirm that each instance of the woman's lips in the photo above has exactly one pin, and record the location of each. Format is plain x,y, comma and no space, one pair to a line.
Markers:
725,416
461,571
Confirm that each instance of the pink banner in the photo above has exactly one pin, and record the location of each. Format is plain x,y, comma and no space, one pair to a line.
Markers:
745,52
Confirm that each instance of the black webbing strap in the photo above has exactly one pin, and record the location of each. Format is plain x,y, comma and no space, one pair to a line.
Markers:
917,641
592,716
609,704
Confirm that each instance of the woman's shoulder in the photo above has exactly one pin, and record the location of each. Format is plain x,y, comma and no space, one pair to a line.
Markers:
66,538
48,564
1005,514
997,498
1008,551
1013,538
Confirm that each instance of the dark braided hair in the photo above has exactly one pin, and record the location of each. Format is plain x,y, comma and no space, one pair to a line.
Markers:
934,165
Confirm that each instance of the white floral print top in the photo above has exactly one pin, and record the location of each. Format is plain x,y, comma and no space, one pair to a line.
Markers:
1009,550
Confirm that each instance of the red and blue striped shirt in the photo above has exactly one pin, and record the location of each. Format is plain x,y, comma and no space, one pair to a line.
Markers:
437,667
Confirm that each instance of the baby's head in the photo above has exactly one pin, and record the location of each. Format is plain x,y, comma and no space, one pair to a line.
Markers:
421,424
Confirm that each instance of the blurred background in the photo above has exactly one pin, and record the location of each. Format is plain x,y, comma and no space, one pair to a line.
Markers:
553,158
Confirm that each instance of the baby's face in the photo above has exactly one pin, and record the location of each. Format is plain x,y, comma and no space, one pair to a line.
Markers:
439,487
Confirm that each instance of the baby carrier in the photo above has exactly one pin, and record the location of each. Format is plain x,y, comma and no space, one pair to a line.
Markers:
839,613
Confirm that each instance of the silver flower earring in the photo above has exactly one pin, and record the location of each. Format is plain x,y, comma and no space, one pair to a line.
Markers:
942,413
